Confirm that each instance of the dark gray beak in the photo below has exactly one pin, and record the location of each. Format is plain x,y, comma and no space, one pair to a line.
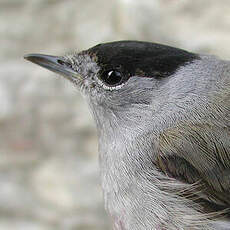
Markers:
55,64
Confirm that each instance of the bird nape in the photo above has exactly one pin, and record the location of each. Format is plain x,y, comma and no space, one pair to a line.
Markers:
163,122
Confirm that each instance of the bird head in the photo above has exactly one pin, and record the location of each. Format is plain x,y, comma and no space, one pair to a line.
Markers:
120,79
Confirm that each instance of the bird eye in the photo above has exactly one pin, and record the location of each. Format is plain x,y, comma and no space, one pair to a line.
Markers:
112,77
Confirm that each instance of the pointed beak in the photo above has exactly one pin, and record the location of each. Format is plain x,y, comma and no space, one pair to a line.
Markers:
55,64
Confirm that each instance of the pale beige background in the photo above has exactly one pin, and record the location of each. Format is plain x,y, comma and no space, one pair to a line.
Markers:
49,175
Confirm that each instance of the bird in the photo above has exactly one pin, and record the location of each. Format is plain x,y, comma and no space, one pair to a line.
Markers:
162,116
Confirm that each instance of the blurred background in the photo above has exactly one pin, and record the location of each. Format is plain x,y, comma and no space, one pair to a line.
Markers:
49,174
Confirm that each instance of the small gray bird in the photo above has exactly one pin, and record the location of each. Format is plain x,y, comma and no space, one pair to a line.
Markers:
163,122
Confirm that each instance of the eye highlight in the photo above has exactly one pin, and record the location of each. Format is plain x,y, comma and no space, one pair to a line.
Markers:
112,77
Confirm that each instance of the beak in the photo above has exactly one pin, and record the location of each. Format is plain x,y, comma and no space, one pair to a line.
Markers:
55,64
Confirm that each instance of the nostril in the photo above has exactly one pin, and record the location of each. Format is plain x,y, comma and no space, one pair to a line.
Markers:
61,62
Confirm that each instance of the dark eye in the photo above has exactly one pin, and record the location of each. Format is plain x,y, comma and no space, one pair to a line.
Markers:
112,77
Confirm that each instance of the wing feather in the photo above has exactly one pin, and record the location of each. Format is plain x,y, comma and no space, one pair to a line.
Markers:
198,153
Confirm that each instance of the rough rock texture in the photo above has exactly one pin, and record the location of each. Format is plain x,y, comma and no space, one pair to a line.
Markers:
49,175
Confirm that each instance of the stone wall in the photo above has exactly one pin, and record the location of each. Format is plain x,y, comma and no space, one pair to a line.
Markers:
49,175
